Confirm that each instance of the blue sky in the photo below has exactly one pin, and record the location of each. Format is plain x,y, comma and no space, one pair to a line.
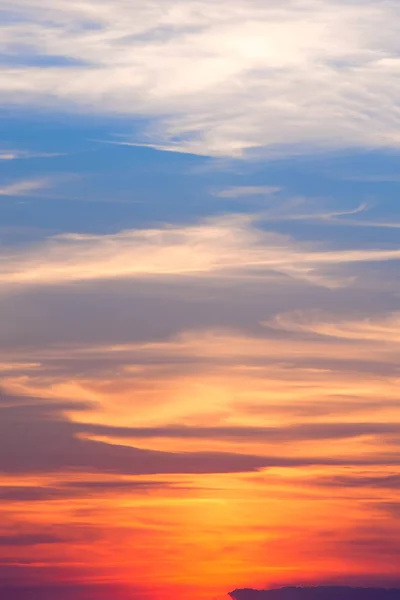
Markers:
77,166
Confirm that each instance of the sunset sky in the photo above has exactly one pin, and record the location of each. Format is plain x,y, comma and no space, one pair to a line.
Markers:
199,296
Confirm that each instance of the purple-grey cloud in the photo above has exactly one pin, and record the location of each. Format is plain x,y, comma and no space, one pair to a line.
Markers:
40,438
71,489
391,482
303,432
30,539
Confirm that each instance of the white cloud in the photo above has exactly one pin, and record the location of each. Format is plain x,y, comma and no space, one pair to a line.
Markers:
231,245
216,76
23,154
383,328
22,188
245,191
9,155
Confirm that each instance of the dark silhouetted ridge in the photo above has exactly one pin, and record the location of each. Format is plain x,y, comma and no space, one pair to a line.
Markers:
317,593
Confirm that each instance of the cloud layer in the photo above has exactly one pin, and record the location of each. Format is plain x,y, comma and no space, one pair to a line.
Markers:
212,77
227,245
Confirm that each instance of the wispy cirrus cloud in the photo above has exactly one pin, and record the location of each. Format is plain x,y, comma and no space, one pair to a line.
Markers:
384,328
247,191
230,244
24,154
216,78
24,187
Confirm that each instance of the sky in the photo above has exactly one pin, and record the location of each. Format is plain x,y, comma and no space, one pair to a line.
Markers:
199,296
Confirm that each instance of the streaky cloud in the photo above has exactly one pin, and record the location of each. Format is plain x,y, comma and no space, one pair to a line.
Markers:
269,77
24,187
384,328
230,245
